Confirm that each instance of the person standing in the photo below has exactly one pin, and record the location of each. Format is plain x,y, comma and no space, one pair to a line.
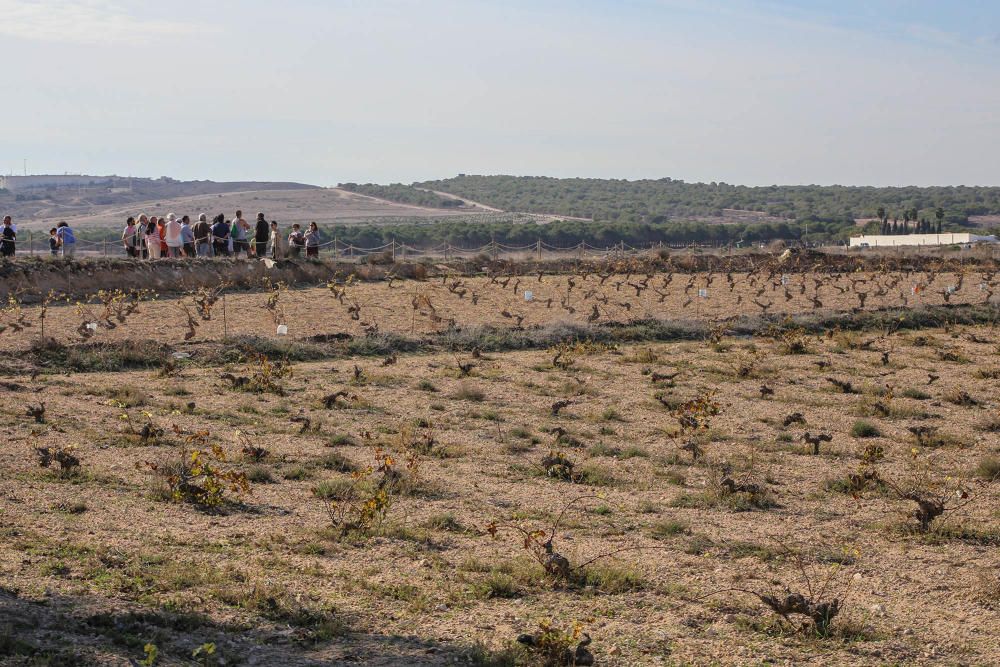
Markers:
274,242
296,241
8,238
53,243
129,237
261,234
312,240
67,241
220,236
161,226
172,236
152,238
187,236
140,237
240,230
203,237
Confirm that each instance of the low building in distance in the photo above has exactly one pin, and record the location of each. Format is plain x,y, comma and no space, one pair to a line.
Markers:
947,238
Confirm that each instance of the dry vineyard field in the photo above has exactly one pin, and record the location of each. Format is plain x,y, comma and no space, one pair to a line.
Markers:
437,471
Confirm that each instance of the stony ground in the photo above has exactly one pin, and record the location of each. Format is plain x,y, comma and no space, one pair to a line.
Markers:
417,308
99,560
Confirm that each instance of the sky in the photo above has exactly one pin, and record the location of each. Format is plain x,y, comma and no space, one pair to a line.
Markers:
876,92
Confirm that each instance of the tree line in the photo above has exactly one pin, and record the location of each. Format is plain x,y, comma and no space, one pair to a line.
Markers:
404,194
663,200
562,233
919,226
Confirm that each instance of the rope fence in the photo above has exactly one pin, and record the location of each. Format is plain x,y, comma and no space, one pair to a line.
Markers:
397,250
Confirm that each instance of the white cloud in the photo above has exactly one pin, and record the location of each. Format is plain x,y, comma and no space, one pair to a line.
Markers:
83,22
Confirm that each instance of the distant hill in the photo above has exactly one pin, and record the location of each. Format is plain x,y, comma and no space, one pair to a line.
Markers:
48,203
109,205
403,194
655,201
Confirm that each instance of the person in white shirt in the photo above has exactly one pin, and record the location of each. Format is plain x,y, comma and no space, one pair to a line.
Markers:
274,249
172,236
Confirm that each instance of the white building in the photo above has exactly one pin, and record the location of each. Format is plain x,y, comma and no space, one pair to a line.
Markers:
51,181
947,238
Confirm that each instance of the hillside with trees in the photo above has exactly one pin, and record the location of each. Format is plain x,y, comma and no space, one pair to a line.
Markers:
662,200
403,194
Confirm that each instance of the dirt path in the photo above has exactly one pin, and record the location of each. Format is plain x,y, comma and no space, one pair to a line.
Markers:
541,218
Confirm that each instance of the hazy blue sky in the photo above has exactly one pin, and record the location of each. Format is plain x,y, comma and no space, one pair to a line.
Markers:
830,91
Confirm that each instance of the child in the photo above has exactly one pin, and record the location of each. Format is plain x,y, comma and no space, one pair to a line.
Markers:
53,242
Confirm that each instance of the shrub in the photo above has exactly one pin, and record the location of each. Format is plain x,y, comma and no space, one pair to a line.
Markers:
595,475
340,440
69,463
864,429
360,503
916,394
497,586
468,392
446,522
336,461
296,473
200,476
989,425
961,398
610,578
989,468
670,528
260,475
611,414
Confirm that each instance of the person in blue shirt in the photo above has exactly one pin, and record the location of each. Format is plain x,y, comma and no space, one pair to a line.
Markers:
67,241
220,236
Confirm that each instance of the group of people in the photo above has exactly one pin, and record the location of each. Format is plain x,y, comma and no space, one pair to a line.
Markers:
155,238
62,241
